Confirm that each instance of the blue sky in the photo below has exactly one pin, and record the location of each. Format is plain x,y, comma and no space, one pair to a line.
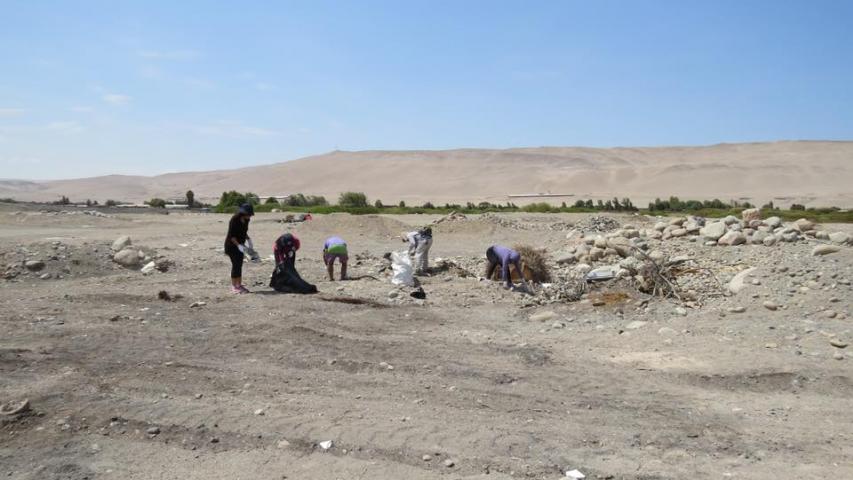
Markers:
89,88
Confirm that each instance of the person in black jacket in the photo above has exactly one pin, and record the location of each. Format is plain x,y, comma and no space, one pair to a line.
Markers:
238,245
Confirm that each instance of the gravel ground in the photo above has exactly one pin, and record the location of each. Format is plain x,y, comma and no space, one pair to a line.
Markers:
473,382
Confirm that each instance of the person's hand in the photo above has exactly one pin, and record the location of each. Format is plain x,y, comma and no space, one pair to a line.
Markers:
242,248
249,244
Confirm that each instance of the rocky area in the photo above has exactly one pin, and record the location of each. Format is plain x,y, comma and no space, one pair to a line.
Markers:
662,348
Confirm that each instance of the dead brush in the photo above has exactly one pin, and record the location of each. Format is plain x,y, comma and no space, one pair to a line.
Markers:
534,262
659,278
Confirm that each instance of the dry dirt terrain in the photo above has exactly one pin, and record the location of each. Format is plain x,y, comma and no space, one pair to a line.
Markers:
472,382
813,173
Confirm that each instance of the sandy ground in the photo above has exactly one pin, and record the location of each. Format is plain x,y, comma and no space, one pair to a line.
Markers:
462,385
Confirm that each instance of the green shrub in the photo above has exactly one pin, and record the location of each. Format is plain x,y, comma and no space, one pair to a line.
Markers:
156,203
352,199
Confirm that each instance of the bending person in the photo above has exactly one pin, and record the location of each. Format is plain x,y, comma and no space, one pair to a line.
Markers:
335,247
419,244
504,256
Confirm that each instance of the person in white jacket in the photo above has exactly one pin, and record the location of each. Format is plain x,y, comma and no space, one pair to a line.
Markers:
420,242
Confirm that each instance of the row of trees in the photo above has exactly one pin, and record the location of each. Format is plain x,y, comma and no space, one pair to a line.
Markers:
674,204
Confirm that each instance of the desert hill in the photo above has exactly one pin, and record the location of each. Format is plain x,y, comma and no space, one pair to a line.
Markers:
812,172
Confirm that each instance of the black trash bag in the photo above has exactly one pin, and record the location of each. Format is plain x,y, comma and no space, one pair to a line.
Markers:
285,279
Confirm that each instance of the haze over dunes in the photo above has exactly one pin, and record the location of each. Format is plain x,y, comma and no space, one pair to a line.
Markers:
815,173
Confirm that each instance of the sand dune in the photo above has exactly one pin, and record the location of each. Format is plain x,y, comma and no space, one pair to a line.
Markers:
814,173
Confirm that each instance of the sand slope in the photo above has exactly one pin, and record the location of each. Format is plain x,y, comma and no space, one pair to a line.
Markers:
815,173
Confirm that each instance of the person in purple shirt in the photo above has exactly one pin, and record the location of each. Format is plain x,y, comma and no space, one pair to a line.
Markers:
335,247
504,256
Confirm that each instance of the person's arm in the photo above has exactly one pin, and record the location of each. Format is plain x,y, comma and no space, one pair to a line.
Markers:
490,269
505,272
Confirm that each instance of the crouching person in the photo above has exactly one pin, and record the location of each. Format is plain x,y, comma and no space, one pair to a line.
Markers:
504,256
335,247
285,278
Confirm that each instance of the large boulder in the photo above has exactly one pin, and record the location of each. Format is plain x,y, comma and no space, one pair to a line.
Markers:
730,220
804,225
770,241
751,214
713,231
839,238
121,243
773,222
732,238
127,258
758,237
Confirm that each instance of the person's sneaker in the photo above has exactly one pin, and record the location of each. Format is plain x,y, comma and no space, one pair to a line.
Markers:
236,290
244,289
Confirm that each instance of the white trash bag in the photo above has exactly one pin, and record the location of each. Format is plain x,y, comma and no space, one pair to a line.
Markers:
403,271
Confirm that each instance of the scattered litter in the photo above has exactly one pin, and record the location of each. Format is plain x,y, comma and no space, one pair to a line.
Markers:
576,474
326,444
601,273
197,304
14,408
402,266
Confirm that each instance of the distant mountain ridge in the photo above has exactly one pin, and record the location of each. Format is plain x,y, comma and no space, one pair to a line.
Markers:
809,172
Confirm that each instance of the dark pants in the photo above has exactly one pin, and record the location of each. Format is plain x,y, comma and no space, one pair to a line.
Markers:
236,257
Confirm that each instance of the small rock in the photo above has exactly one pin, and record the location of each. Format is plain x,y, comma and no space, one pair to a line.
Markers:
738,309
121,243
260,411
426,458
393,294
543,316
197,304
127,258
681,311
449,463
770,305
325,445
153,431
282,444
838,356
825,250
34,265
635,325
838,343
667,332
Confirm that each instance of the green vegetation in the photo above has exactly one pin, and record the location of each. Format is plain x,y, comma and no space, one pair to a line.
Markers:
300,200
353,200
356,203
156,203
229,201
